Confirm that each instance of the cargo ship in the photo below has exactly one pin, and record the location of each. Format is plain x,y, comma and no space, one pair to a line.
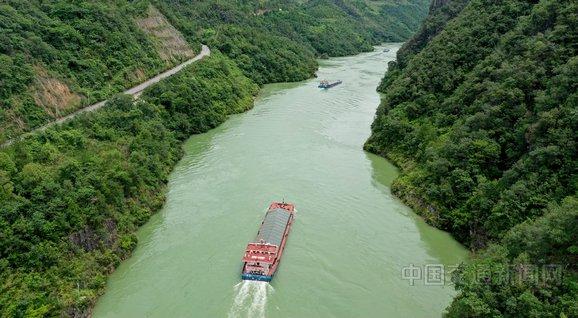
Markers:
263,255
326,84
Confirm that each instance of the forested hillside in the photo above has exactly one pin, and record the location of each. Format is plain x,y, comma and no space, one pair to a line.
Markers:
57,56
481,114
71,197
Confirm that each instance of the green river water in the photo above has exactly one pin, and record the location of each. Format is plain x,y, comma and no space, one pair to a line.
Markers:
351,237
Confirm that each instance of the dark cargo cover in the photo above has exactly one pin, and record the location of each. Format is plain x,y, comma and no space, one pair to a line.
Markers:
273,227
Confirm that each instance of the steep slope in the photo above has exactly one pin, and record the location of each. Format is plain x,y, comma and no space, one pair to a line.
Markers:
441,12
72,197
277,40
482,120
58,56
169,42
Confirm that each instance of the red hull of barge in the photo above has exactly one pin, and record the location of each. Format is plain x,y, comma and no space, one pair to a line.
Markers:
262,257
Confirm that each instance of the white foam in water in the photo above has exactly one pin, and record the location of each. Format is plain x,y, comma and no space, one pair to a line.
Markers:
250,299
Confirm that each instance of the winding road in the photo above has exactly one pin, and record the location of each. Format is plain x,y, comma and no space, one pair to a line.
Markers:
134,91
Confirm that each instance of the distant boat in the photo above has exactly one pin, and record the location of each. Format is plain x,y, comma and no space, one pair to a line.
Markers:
262,256
326,84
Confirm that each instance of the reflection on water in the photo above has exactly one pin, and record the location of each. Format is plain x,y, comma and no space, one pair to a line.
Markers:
383,175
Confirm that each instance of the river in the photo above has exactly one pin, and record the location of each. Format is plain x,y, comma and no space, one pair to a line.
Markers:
351,238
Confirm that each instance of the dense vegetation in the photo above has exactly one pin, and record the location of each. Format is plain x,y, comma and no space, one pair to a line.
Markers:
277,40
481,115
73,197
441,11
58,55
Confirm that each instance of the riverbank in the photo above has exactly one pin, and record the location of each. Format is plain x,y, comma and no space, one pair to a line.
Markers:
58,58
303,144
485,130
74,195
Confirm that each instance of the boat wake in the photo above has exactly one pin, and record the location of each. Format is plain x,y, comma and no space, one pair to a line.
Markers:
250,299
